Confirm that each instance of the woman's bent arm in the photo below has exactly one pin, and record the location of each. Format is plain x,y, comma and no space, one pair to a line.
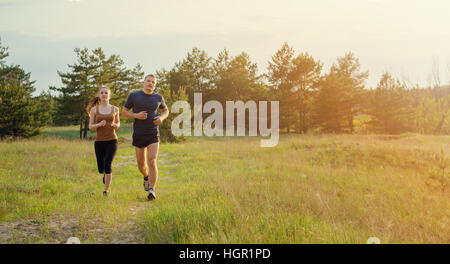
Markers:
92,126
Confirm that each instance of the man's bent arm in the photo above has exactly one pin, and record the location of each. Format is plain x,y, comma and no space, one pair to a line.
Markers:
127,113
164,114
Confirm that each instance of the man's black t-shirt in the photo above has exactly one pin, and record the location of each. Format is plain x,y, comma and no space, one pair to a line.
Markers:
140,101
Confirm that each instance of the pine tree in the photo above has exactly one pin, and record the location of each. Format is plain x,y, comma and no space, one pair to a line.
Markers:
21,114
305,76
236,78
329,113
92,70
279,69
347,92
389,106
294,81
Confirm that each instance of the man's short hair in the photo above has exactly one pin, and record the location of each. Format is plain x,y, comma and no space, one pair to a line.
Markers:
150,75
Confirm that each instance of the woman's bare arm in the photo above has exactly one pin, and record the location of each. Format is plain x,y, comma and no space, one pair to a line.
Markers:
93,126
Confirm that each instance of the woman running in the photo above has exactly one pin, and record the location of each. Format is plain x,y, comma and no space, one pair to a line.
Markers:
104,118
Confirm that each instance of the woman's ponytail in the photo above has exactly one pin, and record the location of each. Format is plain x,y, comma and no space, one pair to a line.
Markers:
92,103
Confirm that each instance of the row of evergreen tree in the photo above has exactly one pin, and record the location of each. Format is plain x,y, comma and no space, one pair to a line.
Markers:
310,99
336,101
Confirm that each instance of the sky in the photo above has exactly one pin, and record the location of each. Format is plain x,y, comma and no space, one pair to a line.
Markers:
402,37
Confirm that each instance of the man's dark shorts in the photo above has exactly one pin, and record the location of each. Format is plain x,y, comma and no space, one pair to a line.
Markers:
143,140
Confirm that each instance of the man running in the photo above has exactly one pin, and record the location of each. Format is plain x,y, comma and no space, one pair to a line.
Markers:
145,104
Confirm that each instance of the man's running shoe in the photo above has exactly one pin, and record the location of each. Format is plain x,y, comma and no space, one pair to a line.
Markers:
151,194
146,184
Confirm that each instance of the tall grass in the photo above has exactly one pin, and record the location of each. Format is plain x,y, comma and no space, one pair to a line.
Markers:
308,189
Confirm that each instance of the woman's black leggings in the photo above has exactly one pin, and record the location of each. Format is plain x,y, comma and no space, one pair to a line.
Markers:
105,152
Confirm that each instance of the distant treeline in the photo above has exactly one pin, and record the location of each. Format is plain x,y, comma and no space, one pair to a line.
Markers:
311,99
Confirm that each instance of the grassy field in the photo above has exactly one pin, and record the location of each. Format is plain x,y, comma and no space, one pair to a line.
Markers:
308,189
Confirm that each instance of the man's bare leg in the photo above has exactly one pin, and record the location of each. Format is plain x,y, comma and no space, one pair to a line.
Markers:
151,161
140,157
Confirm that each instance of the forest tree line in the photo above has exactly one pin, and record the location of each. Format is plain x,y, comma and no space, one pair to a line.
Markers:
311,98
